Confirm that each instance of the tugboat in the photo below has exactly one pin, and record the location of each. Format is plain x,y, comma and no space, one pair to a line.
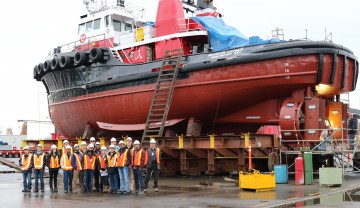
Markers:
104,82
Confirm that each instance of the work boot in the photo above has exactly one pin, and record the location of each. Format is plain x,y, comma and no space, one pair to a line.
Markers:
55,190
156,189
24,190
126,193
65,191
42,190
52,190
145,190
36,190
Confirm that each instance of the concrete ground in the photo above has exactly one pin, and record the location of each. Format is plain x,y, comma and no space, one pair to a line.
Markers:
181,192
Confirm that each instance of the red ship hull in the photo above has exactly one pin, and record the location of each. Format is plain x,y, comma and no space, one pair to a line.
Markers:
228,94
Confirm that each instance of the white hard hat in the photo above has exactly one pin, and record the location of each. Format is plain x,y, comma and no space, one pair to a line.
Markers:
39,145
112,146
104,148
53,146
65,141
136,142
113,139
92,139
152,141
83,143
26,148
76,145
129,139
91,146
97,143
68,147
121,142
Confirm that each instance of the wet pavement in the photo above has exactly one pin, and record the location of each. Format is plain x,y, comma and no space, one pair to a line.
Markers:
184,192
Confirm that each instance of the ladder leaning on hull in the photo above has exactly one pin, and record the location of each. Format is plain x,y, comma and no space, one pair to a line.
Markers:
164,90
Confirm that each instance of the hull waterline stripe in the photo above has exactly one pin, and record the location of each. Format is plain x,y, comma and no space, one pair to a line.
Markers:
320,68
192,85
333,69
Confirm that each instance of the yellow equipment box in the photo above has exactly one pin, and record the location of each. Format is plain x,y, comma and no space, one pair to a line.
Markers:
257,181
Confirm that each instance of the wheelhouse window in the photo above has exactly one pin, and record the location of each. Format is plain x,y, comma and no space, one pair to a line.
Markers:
107,22
81,28
128,27
89,26
96,24
117,25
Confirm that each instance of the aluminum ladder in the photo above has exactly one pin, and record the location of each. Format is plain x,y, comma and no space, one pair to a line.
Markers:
164,90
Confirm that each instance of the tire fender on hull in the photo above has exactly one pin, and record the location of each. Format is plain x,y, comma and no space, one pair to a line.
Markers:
65,62
55,64
80,58
96,55
47,66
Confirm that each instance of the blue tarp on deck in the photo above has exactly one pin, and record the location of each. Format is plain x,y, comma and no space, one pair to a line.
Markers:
222,36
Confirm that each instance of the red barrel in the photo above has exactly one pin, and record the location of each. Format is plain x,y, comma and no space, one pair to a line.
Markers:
299,170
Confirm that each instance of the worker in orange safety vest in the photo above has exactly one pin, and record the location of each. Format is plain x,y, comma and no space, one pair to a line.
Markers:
53,163
152,161
39,168
138,166
67,169
25,163
89,160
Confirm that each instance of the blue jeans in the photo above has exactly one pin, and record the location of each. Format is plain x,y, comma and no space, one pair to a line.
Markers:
68,177
124,177
113,182
39,173
138,179
88,175
27,179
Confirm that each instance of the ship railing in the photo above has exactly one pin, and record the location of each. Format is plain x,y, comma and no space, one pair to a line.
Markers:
90,42
188,25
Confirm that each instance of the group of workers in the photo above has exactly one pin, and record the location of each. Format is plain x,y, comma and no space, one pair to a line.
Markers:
118,169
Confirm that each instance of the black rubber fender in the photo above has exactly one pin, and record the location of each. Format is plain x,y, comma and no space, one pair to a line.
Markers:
55,64
35,72
47,66
79,58
65,62
40,70
96,55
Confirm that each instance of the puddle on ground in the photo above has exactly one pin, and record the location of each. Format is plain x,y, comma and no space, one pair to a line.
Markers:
328,200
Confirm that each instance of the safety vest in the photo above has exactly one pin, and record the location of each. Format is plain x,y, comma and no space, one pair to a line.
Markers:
137,158
78,161
54,161
63,151
39,161
112,160
123,158
25,162
89,163
157,155
67,162
102,162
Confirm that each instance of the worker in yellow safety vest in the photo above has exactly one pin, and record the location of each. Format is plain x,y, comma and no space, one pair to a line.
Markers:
53,163
67,169
152,161
39,168
25,163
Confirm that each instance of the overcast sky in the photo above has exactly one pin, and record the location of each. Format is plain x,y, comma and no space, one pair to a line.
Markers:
31,28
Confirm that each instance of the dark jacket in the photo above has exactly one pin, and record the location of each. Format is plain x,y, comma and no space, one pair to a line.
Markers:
48,158
73,160
353,125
